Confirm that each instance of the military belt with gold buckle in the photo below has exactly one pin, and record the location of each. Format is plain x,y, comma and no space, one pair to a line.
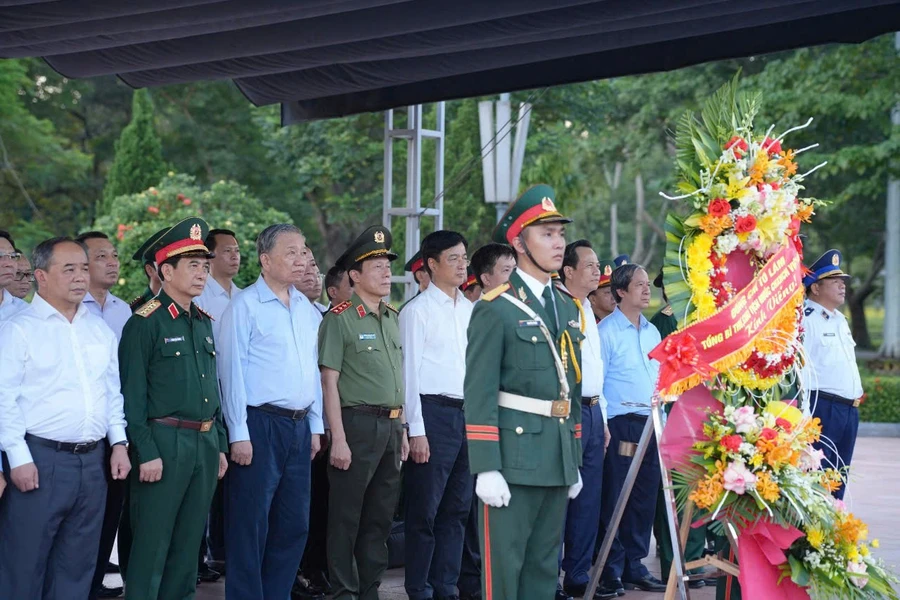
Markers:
545,408
378,411
201,426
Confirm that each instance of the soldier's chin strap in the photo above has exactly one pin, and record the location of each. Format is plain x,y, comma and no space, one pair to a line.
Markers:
531,256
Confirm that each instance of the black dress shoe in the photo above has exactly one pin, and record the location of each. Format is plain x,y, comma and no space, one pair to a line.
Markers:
319,580
207,575
610,588
600,594
576,591
470,595
108,592
561,595
112,567
696,584
648,583
216,565
304,589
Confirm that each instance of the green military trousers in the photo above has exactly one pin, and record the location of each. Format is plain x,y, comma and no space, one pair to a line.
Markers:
520,543
168,517
361,504
696,540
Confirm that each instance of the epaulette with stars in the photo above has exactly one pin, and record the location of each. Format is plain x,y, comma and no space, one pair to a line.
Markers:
147,309
134,304
391,306
203,312
668,310
494,293
341,307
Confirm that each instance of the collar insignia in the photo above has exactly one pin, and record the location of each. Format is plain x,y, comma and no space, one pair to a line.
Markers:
361,311
522,295
173,310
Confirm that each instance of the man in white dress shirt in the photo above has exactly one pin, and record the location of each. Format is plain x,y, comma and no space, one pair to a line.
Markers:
59,398
9,258
831,377
103,266
22,284
438,484
273,408
311,284
220,289
580,275
104,271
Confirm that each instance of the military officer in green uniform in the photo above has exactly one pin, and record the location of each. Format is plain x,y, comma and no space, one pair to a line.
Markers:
522,374
168,371
145,255
362,385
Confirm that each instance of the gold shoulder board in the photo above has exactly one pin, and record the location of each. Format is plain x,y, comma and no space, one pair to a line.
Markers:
495,293
147,309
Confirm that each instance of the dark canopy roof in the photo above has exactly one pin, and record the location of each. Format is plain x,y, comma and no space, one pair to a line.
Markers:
326,58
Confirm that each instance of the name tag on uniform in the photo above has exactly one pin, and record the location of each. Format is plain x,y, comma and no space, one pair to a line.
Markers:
170,340
828,334
367,336
529,323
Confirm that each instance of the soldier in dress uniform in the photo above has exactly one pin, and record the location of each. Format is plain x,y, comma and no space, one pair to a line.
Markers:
362,385
602,302
522,374
831,376
167,361
145,256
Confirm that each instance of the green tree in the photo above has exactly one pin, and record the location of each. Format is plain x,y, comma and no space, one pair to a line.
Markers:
138,163
225,204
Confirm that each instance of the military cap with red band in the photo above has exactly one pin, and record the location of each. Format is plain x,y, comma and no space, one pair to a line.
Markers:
606,269
184,238
535,206
470,281
416,263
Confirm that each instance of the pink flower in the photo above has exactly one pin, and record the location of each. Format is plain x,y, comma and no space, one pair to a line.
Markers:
187,201
811,459
738,478
839,505
858,567
153,209
744,419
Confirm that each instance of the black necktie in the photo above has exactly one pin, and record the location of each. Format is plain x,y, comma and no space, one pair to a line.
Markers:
550,308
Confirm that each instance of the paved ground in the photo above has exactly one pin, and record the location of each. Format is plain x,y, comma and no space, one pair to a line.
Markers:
872,494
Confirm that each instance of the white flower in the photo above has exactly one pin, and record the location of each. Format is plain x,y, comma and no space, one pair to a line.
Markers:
743,418
726,244
814,559
811,459
858,567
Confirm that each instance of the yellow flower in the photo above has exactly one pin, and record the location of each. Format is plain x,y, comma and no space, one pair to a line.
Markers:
758,169
815,537
784,410
864,550
767,488
757,460
876,543
737,187
853,555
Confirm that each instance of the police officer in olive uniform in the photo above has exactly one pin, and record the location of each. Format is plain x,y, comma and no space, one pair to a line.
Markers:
168,370
522,374
145,255
362,385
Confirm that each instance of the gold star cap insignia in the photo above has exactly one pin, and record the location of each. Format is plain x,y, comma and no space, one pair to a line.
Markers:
379,237
196,233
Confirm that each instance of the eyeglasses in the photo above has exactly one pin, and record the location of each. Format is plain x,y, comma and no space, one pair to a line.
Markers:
455,259
11,256
23,275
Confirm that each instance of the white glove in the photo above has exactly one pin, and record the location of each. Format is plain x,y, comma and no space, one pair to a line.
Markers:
575,489
491,488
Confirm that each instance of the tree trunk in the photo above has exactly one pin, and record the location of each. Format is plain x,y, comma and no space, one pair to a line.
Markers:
856,300
637,254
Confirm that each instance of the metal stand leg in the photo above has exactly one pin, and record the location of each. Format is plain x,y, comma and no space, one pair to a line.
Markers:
677,536
653,426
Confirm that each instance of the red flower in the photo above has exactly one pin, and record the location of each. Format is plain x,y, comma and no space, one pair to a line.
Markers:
121,235
180,196
772,146
732,443
719,207
739,145
768,434
745,224
784,423
153,209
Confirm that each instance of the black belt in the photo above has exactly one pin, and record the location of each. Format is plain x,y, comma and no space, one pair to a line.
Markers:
442,400
296,415
71,447
590,400
378,411
633,417
834,398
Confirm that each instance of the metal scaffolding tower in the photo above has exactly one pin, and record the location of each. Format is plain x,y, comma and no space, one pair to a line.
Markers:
415,134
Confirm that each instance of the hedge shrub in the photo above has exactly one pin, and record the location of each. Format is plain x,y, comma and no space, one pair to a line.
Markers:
882,404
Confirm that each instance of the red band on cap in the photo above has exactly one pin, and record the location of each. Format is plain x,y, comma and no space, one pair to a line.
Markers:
524,220
179,247
417,266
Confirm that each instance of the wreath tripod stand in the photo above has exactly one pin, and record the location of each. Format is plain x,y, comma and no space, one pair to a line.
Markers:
676,585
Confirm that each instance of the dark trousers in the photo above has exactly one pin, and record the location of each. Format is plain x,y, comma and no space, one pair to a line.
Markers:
583,516
470,568
315,556
49,536
212,547
439,495
632,542
267,509
115,496
520,543
361,505
840,423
